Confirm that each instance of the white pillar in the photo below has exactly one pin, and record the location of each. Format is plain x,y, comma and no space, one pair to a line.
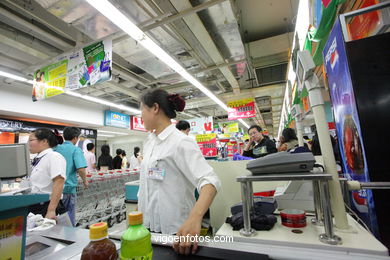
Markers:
298,125
317,104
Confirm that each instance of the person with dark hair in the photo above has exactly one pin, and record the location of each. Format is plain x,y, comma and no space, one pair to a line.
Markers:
316,149
75,164
135,159
105,159
125,163
183,126
288,140
258,145
90,158
173,166
48,171
117,161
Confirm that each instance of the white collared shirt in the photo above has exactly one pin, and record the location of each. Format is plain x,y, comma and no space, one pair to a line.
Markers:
51,165
91,160
166,204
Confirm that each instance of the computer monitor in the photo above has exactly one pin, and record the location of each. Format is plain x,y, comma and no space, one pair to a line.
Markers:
14,161
305,67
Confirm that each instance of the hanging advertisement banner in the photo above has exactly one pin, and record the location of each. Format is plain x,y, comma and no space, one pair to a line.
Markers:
207,144
243,108
84,67
137,124
201,124
347,121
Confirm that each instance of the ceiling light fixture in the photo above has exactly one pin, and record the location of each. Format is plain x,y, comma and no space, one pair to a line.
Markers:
244,123
106,135
13,76
111,132
120,20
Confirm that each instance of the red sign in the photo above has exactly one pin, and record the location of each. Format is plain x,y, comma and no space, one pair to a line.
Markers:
207,144
326,3
137,124
244,108
364,25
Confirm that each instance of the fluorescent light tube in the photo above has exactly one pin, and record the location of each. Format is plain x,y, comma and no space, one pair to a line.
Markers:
244,123
12,76
106,135
120,20
111,132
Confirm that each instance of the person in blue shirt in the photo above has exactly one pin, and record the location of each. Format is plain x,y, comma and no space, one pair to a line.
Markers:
75,164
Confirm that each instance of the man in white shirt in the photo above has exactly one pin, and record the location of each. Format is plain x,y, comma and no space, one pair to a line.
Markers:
90,157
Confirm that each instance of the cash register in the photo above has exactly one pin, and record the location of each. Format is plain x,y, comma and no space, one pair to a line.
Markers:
282,162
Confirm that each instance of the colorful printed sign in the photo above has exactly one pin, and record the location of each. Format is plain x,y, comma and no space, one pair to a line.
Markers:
207,144
201,124
11,237
116,119
347,121
137,124
244,108
84,67
364,25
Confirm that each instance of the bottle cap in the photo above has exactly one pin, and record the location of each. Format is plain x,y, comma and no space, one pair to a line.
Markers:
135,218
98,231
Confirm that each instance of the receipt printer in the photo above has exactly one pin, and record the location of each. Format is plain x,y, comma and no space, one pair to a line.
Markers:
282,162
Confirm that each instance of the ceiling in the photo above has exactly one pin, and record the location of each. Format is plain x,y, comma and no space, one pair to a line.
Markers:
235,48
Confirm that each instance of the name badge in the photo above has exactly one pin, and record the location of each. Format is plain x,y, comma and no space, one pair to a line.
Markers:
156,174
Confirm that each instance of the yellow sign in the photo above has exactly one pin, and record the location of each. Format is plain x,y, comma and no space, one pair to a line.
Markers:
205,138
240,103
233,128
11,237
246,136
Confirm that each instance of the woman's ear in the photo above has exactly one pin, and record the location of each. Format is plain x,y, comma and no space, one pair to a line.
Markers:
155,108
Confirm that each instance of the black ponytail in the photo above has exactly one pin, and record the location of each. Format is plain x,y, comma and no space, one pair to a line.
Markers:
169,103
53,138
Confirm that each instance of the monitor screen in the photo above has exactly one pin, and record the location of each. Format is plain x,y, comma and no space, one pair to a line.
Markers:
300,72
14,160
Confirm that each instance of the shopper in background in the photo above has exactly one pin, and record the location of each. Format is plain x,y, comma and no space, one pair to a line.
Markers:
117,161
258,145
48,172
316,149
172,168
105,159
125,163
183,126
90,158
75,164
83,142
135,159
288,140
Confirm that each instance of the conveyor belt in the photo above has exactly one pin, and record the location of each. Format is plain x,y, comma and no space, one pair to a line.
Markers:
204,253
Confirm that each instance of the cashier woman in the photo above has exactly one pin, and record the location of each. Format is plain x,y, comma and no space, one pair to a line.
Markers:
172,168
48,171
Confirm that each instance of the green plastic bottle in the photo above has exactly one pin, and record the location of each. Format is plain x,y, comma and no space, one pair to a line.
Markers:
136,242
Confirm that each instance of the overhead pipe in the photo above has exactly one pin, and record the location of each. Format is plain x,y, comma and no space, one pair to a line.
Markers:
10,19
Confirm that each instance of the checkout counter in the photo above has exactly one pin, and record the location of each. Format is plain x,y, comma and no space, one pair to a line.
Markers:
61,242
